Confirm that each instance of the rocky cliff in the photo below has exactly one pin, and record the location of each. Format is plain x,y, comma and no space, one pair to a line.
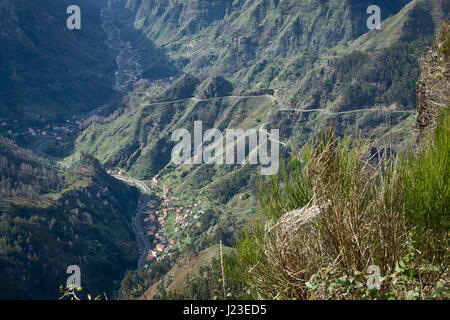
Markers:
433,86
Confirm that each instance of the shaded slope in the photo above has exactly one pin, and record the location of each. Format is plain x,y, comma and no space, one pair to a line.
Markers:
47,70
50,219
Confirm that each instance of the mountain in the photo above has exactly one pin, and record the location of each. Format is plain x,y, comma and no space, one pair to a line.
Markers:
252,41
287,65
251,49
340,211
52,218
114,95
47,71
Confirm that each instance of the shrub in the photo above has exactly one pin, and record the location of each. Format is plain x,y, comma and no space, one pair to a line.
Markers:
427,193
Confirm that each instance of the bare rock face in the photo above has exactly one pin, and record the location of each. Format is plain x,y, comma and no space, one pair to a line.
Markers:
433,86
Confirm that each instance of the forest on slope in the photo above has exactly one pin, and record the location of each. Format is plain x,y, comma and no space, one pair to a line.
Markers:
47,71
55,215
52,218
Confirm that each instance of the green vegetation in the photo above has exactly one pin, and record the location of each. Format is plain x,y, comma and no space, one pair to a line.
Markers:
385,77
344,210
50,219
52,80
340,207
427,193
256,47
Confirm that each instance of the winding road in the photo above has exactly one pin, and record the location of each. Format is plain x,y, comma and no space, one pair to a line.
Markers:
196,100
143,242
127,72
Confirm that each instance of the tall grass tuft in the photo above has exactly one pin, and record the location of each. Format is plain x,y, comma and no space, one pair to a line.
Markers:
427,193
361,221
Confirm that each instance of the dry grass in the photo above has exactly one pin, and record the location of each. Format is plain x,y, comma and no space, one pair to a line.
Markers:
354,219
363,223
287,246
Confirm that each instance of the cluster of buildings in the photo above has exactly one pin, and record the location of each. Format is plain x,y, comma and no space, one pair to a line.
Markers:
155,222
185,215
159,219
55,131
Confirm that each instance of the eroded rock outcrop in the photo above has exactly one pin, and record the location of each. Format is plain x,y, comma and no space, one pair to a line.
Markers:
433,86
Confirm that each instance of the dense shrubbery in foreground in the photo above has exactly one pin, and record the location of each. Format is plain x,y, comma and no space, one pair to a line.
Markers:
341,209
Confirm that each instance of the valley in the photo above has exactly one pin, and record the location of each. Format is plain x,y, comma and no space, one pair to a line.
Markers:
127,59
282,72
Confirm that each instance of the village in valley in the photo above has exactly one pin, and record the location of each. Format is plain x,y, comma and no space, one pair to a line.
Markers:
164,219
58,132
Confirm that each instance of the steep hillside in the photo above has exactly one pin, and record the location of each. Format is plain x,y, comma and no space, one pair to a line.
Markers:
333,215
251,41
433,86
46,70
310,73
287,45
198,276
52,218
296,66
